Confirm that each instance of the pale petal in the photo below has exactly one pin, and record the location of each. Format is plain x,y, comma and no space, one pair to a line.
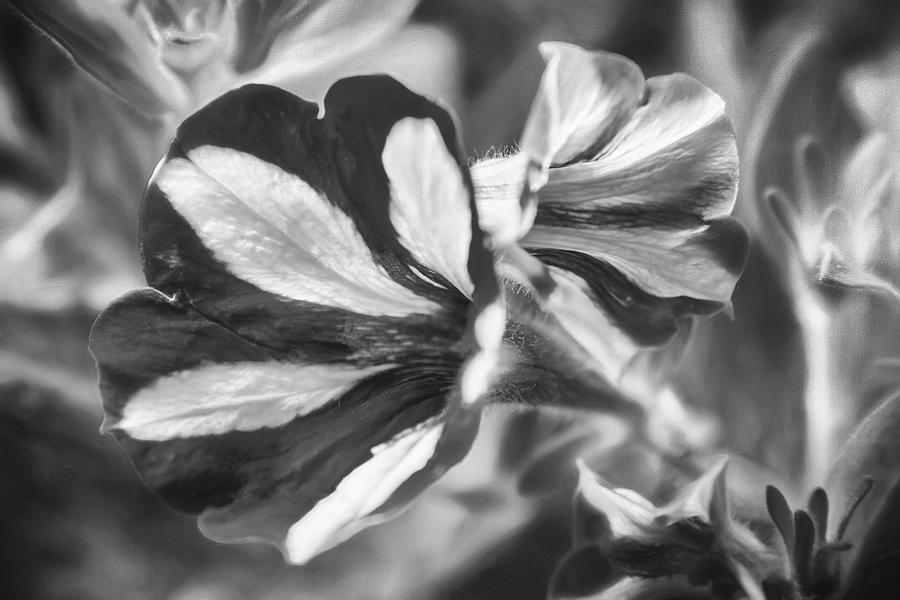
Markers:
343,512
219,398
330,34
583,100
430,207
705,498
629,513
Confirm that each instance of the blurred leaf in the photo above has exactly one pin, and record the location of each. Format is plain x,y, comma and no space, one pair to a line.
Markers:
748,371
872,450
103,40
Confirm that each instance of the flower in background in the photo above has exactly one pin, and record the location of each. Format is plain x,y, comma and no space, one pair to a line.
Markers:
825,188
842,545
843,236
173,56
619,194
628,548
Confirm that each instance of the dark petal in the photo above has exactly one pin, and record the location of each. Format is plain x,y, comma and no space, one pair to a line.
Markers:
804,546
818,510
781,515
645,559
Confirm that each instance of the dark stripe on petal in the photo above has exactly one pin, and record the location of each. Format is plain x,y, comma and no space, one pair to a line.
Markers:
703,262
685,208
648,319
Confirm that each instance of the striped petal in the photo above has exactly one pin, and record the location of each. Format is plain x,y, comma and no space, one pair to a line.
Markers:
639,180
306,363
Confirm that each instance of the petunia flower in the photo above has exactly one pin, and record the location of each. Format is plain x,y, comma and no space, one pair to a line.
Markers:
620,194
166,56
324,319
691,547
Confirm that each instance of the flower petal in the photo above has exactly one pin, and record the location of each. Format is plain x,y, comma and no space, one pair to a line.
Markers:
583,100
629,513
705,498
103,40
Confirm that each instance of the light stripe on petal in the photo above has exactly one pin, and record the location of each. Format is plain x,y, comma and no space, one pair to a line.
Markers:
430,201
274,231
215,399
343,512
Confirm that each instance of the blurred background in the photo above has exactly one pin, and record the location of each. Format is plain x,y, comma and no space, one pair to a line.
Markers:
74,157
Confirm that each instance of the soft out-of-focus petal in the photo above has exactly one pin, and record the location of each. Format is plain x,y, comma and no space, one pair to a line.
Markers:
423,57
306,365
872,87
867,192
629,513
104,41
705,498
322,34
694,536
